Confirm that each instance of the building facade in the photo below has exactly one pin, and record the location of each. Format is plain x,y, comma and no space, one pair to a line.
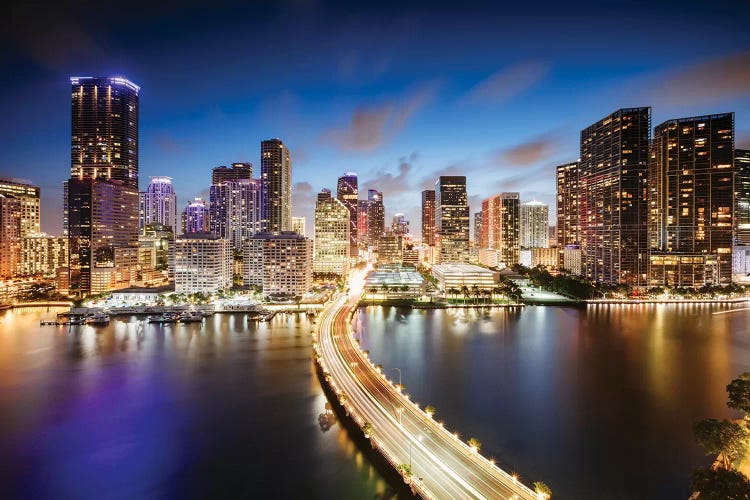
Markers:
362,212
102,193
28,197
276,178
237,172
195,217
298,226
10,236
235,210
203,263
534,231
347,192
568,207
742,196
452,219
501,221
43,255
428,217
613,180
332,242
281,264
159,204
691,201
375,216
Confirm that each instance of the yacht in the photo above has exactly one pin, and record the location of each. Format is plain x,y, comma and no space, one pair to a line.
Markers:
98,319
191,317
164,318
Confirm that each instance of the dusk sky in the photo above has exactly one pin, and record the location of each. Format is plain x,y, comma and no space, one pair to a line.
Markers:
397,93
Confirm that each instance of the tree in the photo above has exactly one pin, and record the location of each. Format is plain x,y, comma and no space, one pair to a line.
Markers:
385,288
542,490
475,290
404,470
367,429
430,410
404,288
739,393
454,292
726,439
720,484
474,443
465,292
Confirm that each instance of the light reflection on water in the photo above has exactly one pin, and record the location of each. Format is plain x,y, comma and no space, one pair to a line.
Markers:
132,410
597,402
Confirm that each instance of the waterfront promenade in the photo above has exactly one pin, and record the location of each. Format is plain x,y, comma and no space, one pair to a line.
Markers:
443,465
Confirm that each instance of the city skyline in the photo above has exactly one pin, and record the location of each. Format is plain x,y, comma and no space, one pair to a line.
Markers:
472,109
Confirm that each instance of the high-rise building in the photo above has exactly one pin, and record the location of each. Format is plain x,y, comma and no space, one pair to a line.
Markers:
195,217
102,193
347,192
103,235
742,196
452,219
477,228
332,243
237,172
534,225
298,226
613,181
362,211
281,264
375,216
390,248
43,255
235,210
501,221
10,236
691,201
203,263
28,197
399,224
276,175
428,217
156,251
104,141
568,208
159,204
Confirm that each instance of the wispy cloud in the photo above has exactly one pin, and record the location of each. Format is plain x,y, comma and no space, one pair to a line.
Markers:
507,83
371,125
709,82
528,153
394,184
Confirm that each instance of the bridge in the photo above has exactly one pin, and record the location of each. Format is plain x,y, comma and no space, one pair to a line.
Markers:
442,465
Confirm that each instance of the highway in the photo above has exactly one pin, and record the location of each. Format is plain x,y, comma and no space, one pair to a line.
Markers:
443,465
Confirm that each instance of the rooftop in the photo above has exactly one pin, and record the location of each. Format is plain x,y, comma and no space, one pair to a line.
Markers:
460,268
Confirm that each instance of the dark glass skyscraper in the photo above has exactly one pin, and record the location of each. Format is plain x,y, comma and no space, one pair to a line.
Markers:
613,173
375,216
276,176
452,218
104,132
428,217
691,201
742,196
347,192
237,172
102,193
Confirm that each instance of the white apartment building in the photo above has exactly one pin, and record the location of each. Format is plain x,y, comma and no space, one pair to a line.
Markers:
281,264
203,263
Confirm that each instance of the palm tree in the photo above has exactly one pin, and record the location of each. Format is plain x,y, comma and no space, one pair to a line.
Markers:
367,429
454,292
475,290
465,292
430,410
542,490
385,288
404,288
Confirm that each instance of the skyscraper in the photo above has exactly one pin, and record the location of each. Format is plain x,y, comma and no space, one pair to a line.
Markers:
347,192
10,236
691,201
534,225
195,217
568,212
399,224
375,216
612,176
159,203
362,210
298,225
428,217
104,142
103,188
332,243
742,196
237,172
28,197
501,220
276,176
452,219
477,228
235,210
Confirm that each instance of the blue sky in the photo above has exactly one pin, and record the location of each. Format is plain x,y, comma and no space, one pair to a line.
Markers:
397,93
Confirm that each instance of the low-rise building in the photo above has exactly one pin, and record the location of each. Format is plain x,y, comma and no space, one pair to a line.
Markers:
458,275
395,281
43,255
741,264
572,259
281,264
491,257
203,263
389,248
532,257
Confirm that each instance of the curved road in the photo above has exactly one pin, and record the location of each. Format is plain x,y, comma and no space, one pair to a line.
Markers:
443,466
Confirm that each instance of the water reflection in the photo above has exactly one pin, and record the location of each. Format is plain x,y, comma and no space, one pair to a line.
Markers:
597,402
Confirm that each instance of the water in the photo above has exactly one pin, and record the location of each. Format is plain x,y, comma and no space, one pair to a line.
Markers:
598,403
133,410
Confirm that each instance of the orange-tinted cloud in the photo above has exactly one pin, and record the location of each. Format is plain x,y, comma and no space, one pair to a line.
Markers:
507,83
